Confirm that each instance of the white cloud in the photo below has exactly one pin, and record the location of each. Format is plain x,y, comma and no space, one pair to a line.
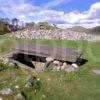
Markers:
28,12
31,14
88,18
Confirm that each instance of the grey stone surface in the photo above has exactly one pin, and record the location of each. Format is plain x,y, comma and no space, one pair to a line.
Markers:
28,85
96,71
31,78
49,59
64,65
6,91
56,52
19,96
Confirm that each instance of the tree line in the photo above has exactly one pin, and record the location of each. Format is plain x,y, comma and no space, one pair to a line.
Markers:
15,24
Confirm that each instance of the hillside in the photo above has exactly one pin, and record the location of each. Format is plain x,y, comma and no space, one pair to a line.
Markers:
78,29
95,30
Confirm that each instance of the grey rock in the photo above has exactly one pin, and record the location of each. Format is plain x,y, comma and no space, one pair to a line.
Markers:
56,62
19,96
64,65
96,72
75,65
6,91
49,59
28,85
30,81
31,78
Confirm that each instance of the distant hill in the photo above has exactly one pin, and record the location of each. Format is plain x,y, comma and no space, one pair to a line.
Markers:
78,29
3,28
95,30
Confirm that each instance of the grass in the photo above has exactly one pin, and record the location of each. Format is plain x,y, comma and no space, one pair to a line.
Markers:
81,85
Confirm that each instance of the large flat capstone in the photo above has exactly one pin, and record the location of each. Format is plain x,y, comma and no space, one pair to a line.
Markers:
56,52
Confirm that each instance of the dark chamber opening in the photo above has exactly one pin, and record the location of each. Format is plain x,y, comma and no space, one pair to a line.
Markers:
27,59
81,61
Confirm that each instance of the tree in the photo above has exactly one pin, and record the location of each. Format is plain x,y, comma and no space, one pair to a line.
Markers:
15,22
45,25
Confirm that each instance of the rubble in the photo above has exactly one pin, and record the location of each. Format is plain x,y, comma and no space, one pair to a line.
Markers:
54,34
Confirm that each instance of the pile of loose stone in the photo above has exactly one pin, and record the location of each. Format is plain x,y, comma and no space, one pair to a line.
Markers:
54,34
56,65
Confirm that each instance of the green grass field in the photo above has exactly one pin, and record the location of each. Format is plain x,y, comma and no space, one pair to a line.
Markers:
81,85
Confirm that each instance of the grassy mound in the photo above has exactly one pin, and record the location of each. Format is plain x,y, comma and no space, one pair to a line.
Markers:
78,29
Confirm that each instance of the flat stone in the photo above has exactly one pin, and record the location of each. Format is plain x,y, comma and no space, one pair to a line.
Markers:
96,72
64,54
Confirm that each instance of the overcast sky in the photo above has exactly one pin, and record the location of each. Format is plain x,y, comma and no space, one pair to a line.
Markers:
64,13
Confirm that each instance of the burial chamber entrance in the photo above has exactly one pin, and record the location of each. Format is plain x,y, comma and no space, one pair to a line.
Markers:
38,62
32,61
34,55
